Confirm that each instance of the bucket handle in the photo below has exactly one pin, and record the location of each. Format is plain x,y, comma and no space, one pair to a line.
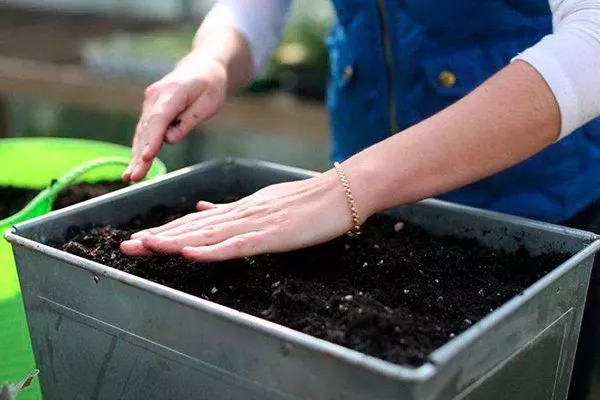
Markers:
42,203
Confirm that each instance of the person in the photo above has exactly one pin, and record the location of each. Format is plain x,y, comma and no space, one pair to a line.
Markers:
491,104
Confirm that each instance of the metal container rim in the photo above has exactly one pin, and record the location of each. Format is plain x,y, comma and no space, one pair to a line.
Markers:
388,369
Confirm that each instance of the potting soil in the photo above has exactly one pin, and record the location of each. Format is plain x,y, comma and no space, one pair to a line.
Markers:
13,199
393,295
84,191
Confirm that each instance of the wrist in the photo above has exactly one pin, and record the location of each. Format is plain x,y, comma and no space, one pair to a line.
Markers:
228,49
334,197
349,186
202,70
365,180
201,59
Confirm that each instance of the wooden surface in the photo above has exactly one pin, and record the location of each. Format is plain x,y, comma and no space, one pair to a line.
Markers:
39,57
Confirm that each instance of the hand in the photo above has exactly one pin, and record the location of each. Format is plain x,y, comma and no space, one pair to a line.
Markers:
173,106
278,218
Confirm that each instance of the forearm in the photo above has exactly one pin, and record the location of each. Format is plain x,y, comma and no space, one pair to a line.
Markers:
506,120
511,117
242,35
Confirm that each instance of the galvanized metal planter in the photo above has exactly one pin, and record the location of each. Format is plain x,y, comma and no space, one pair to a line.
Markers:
99,333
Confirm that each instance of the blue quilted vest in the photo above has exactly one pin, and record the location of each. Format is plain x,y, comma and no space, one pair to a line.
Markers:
394,63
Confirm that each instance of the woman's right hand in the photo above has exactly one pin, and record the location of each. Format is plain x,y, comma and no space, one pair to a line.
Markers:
173,106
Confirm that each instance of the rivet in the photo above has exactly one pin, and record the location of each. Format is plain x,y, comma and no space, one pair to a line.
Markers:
348,72
447,79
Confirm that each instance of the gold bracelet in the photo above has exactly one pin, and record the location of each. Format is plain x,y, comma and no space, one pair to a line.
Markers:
351,203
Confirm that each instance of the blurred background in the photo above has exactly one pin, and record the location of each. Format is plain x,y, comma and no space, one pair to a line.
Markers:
78,68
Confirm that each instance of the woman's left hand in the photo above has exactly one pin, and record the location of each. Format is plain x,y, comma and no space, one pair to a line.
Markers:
278,218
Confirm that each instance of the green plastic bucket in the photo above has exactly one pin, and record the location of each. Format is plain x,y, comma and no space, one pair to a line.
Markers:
33,163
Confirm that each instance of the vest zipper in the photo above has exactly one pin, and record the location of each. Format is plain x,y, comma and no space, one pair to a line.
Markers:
389,65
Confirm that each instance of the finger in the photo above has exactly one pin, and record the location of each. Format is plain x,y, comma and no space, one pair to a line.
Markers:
173,135
157,120
167,108
246,245
141,126
140,234
170,225
219,216
139,170
202,109
205,205
180,222
135,248
134,153
210,235
126,176
150,146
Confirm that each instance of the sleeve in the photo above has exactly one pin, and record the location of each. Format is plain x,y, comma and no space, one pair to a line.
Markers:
260,22
569,61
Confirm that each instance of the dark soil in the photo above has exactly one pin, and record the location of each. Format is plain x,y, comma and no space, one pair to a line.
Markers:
84,191
13,199
393,295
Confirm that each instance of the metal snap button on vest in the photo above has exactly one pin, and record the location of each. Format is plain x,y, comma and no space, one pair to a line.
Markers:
347,72
447,79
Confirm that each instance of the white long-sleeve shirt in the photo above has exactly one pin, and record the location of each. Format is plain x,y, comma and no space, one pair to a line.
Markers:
568,59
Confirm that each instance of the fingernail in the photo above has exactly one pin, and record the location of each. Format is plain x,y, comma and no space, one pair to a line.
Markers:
132,243
129,245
